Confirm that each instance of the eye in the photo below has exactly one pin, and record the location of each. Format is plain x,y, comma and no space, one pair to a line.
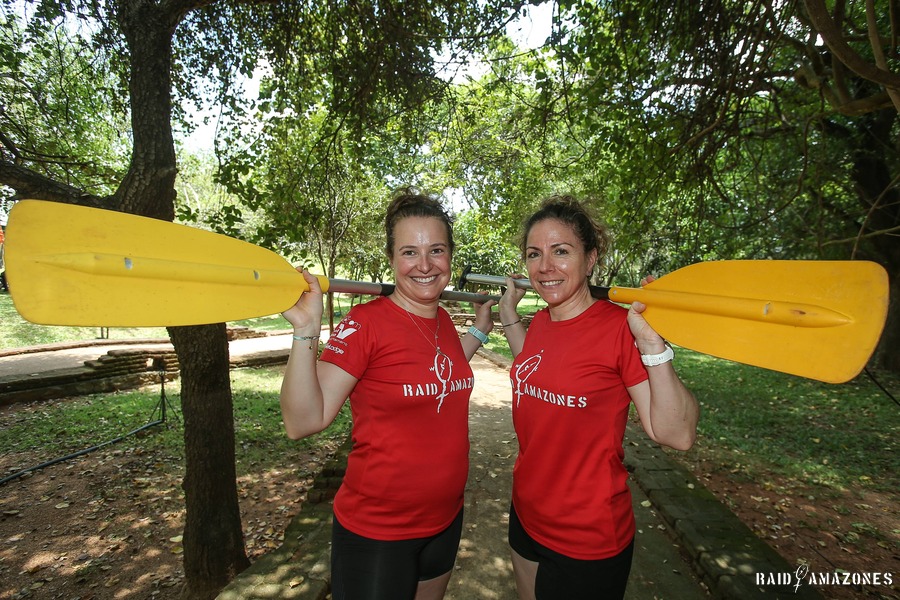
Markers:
561,251
438,251
532,254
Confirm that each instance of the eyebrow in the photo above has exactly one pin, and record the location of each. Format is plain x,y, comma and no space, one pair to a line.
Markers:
552,246
435,245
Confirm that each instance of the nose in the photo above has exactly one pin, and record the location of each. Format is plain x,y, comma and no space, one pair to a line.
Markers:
545,263
424,262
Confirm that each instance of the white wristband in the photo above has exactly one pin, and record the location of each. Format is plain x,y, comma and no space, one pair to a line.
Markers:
651,360
479,335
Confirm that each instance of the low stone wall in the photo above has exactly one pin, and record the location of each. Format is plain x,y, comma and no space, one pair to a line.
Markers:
117,370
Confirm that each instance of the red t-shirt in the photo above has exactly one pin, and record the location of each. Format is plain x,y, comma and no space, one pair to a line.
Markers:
570,407
410,458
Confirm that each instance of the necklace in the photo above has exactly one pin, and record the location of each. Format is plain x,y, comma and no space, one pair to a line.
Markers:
437,330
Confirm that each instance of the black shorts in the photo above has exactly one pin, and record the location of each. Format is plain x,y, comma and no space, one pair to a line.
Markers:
367,569
559,576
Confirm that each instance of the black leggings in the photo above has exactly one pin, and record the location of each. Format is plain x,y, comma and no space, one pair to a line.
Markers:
559,576
367,569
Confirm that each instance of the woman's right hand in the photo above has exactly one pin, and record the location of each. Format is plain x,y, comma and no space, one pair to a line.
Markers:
510,300
509,317
512,294
306,315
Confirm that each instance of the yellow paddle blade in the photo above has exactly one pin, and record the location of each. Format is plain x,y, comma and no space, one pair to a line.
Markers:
72,265
815,319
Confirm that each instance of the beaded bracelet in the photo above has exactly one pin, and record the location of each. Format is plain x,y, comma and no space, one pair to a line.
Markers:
311,338
510,324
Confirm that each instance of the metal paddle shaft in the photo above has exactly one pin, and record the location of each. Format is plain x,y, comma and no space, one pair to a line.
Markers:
601,293
347,286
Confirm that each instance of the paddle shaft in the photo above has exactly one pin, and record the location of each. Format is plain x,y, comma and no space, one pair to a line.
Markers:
346,286
769,311
600,293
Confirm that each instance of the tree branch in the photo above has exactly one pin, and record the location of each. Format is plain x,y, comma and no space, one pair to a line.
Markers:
31,184
834,38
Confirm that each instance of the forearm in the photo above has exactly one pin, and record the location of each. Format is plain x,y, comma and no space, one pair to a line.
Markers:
302,400
673,410
470,341
514,330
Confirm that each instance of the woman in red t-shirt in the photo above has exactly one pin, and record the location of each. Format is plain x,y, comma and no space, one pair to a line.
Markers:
574,375
398,512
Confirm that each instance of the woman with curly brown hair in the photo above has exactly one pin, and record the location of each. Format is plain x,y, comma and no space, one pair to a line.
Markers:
575,373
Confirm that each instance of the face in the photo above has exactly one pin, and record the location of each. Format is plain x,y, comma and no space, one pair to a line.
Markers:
557,263
421,260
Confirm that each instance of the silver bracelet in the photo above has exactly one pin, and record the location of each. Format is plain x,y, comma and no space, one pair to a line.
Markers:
310,338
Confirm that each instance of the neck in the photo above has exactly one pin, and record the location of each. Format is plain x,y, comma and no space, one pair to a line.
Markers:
570,308
427,310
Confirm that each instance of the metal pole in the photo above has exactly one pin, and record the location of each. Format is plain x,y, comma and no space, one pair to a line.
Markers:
601,293
346,286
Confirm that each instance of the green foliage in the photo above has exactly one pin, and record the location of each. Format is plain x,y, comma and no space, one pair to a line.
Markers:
204,202
62,111
485,246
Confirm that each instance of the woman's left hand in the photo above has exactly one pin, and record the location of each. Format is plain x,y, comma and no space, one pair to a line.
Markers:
646,338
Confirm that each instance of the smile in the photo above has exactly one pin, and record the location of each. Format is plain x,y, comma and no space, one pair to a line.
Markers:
424,280
553,283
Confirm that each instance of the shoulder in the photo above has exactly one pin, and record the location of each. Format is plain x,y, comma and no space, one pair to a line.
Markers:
604,309
373,308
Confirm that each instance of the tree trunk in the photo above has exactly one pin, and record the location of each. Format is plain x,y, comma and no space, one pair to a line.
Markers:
875,185
887,356
213,538
213,541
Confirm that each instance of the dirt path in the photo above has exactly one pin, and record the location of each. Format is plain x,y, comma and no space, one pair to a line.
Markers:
484,570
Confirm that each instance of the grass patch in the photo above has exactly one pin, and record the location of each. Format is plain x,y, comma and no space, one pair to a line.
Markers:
62,427
16,332
834,435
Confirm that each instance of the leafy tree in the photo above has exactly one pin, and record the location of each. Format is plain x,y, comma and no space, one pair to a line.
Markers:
482,245
51,80
185,49
736,132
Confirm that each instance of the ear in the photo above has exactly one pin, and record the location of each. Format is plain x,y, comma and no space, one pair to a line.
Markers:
592,261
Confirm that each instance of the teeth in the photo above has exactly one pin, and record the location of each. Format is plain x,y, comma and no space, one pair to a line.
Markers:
551,283
424,279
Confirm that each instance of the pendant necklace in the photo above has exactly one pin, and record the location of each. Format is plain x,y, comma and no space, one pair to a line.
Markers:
436,344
